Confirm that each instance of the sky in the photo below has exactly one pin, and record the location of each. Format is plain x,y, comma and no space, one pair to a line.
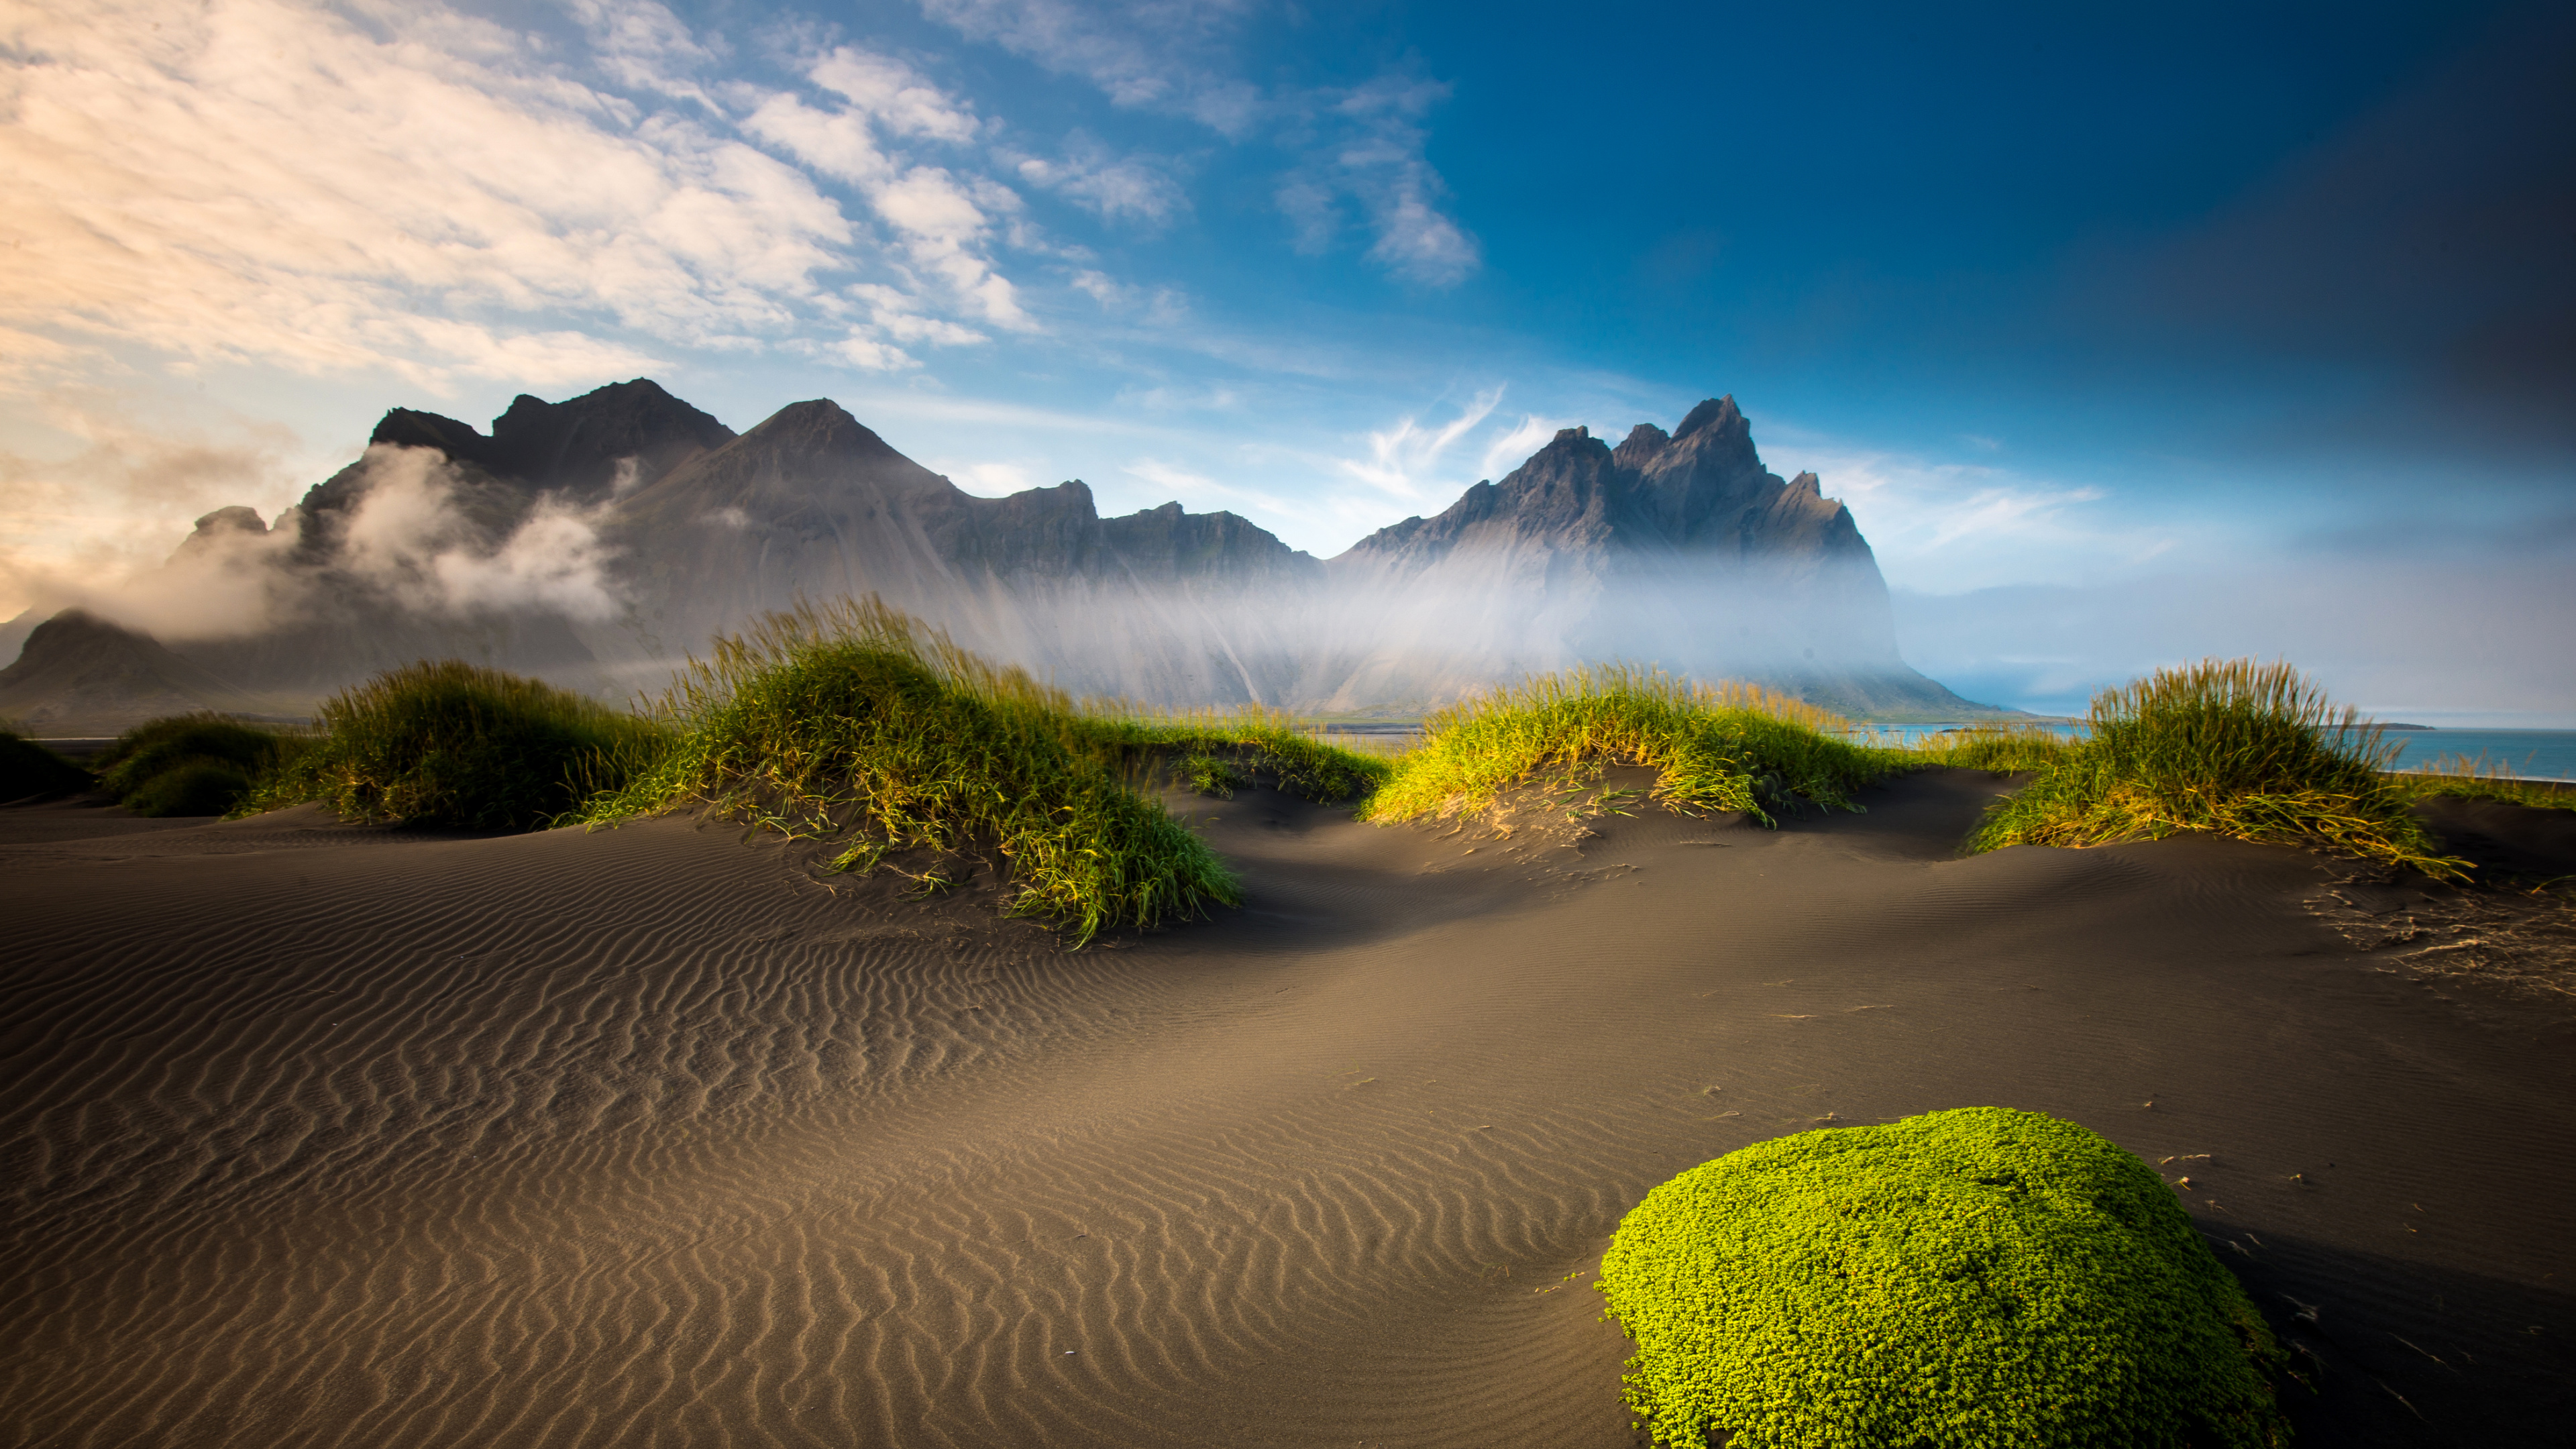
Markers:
2129,338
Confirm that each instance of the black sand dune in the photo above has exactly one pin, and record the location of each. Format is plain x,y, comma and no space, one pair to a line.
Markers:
328,1136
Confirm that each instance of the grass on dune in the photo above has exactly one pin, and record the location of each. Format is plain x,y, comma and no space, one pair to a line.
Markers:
1713,747
449,743
1997,749
2460,777
855,721
2231,747
192,764
28,769
1217,752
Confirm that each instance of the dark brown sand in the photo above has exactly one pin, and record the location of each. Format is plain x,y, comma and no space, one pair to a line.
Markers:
321,1135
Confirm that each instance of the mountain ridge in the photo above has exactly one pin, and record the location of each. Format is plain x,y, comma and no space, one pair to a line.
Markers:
596,539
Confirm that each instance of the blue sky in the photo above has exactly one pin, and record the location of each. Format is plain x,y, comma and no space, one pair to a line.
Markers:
2128,338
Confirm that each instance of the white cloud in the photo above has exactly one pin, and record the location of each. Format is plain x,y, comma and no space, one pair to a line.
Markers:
269,182
408,539
1149,54
939,215
109,510
1386,170
1405,461
401,188
646,47
894,95
1364,144
1944,527
1513,448
1185,483
1115,188
986,479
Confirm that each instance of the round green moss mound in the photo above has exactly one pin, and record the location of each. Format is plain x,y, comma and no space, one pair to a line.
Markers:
1973,1277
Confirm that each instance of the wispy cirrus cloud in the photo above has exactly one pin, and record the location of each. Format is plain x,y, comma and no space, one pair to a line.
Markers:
1378,163
1159,54
1363,150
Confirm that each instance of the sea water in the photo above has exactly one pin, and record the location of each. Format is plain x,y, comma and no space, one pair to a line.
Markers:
2531,754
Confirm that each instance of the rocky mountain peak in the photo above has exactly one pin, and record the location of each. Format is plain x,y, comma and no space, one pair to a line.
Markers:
1719,413
220,527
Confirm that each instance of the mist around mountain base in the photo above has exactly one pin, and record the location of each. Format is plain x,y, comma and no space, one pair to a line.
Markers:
598,542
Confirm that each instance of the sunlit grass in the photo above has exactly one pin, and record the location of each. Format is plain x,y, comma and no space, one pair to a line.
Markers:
856,723
2001,749
1713,747
2481,778
2230,747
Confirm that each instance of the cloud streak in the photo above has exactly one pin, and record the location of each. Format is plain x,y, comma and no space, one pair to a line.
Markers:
408,189
1362,147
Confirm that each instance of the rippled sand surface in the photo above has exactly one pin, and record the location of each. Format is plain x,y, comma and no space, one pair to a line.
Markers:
317,1135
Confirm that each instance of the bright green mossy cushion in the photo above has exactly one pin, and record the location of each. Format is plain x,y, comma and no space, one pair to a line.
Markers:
1974,1277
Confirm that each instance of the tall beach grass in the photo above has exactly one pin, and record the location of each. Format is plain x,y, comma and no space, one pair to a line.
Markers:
447,743
1713,747
203,763
2231,747
855,722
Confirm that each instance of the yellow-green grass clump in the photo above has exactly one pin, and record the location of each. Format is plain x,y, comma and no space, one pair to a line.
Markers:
28,769
448,743
1997,749
2231,747
1219,752
2462,778
1974,1277
191,764
854,721
1727,746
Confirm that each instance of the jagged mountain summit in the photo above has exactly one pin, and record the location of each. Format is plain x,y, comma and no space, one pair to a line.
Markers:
599,539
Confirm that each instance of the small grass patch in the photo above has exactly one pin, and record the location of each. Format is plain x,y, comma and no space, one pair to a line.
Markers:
28,769
2229,747
1713,747
1219,752
854,722
1996,749
2460,777
1965,1278
453,744
191,764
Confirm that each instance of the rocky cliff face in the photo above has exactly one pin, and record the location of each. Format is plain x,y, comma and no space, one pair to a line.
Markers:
597,540
1677,549
813,504
1700,493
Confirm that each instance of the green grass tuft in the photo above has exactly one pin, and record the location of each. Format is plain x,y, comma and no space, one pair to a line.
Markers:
854,721
28,769
1219,752
1714,747
1997,749
2460,777
2230,747
1966,1278
455,744
191,764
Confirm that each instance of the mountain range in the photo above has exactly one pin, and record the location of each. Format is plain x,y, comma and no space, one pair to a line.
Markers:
598,540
